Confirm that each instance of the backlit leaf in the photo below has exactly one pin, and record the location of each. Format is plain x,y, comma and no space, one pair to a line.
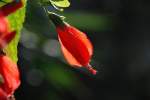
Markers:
60,3
16,22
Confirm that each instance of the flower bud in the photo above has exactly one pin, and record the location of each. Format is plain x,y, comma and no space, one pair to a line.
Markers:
75,45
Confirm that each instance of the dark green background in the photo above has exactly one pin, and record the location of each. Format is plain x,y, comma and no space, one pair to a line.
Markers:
119,31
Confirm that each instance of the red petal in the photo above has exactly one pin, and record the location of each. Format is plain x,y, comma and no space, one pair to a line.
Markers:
4,26
76,47
69,57
10,73
83,38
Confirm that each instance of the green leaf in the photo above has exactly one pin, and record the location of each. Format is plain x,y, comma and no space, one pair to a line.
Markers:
16,22
60,3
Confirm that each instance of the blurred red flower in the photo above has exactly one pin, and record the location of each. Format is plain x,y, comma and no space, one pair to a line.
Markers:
10,75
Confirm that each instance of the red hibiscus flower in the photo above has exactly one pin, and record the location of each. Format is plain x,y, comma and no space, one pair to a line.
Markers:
10,75
75,45
9,80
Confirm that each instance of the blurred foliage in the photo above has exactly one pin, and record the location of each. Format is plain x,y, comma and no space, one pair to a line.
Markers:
3,2
91,21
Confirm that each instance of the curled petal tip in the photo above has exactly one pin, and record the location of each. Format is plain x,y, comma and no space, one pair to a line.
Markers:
91,69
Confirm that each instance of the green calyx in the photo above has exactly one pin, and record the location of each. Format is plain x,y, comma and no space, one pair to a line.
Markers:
56,19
